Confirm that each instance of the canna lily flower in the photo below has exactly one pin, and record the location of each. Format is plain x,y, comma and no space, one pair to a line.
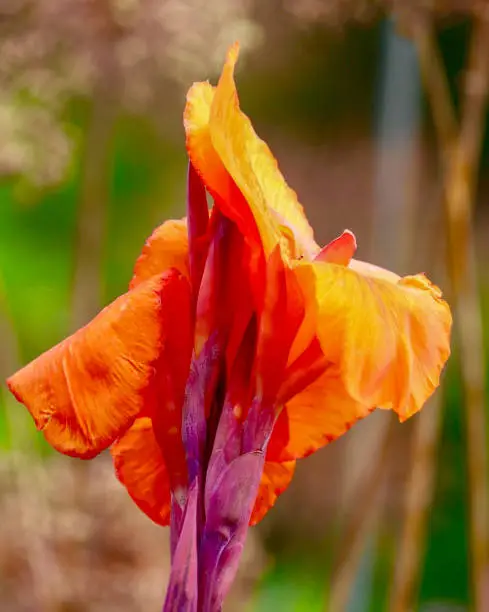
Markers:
240,347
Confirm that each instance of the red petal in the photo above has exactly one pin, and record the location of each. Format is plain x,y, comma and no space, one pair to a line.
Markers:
283,311
340,250
198,223
172,370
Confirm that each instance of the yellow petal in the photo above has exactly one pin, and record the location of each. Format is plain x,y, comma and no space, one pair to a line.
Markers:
201,152
222,143
387,341
368,269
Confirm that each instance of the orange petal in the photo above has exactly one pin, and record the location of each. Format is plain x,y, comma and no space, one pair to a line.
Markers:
318,415
275,479
340,250
87,390
140,466
221,138
387,341
167,247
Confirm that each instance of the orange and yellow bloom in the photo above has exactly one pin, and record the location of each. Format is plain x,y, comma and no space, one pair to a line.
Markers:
240,347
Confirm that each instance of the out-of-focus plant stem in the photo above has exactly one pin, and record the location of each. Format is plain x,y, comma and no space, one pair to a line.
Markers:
398,124
460,155
359,526
9,353
459,195
92,211
437,88
420,488
419,496
9,362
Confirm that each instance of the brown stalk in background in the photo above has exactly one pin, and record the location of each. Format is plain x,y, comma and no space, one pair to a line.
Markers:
359,525
419,495
460,190
420,488
460,154
92,213
397,162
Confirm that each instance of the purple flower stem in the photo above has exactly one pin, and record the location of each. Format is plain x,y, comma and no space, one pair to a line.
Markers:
186,529
233,478
182,593
230,501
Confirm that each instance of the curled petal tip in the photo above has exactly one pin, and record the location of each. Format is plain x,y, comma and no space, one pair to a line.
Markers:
340,250
349,233
233,52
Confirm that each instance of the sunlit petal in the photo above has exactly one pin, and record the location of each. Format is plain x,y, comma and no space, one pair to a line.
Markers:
387,341
368,269
222,143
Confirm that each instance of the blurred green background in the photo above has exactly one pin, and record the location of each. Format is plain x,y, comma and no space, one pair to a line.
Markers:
92,158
